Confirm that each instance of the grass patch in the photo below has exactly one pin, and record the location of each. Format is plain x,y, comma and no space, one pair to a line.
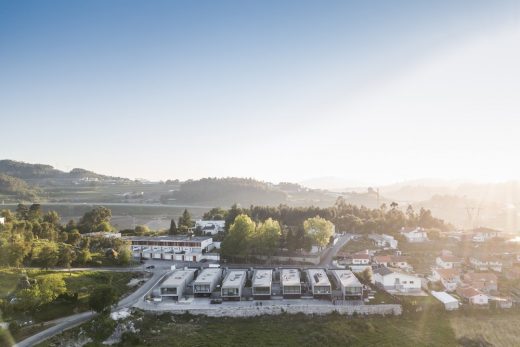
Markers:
487,328
80,282
286,330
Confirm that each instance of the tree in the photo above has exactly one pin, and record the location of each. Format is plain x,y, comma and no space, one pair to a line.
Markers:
238,240
52,217
267,237
320,229
185,221
84,256
141,230
173,228
74,238
48,255
102,298
66,255
124,256
51,286
22,212
35,212
216,213
98,219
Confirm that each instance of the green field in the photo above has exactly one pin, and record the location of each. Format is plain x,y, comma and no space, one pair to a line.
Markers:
285,330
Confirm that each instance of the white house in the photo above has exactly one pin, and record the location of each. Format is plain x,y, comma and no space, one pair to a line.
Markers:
348,283
473,296
319,282
416,235
360,259
262,281
483,263
2,220
233,284
484,234
396,261
384,240
210,227
207,281
450,278
174,285
290,282
394,280
449,302
447,261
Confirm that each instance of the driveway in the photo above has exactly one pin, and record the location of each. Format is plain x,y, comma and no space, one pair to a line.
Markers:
330,253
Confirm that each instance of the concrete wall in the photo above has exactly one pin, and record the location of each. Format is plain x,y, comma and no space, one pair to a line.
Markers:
237,311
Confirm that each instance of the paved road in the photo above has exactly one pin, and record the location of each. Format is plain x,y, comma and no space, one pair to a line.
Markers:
77,319
330,253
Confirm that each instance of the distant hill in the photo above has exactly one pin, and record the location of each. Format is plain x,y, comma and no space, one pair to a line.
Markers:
35,172
227,191
16,187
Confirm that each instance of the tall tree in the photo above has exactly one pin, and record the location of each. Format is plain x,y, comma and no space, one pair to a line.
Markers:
185,221
173,228
320,229
102,298
238,240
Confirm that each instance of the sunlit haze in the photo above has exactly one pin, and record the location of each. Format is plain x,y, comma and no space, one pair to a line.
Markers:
280,92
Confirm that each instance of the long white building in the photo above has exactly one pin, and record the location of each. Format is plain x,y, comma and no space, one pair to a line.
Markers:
183,248
175,284
291,283
319,282
207,281
262,283
233,284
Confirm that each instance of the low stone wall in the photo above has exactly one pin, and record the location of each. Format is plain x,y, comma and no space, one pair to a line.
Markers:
224,311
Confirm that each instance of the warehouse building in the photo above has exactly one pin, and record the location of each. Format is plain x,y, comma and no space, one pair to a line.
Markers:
207,281
233,284
349,284
262,283
183,248
290,281
319,282
175,284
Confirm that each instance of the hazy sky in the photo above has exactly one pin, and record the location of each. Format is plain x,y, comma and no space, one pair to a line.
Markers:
372,91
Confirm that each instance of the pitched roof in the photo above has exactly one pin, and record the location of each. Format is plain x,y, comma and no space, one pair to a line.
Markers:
450,258
468,292
448,273
382,259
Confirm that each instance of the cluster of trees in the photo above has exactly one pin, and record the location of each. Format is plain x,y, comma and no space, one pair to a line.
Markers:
246,237
34,238
346,217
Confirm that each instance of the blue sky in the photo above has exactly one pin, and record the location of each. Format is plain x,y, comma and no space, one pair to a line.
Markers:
372,91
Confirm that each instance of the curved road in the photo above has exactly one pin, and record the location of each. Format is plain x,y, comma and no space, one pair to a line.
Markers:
77,319
330,253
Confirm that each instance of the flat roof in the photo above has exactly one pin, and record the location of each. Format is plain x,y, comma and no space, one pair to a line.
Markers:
234,278
318,277
263,278
444,297
167,238
347,278
208,275
290,277
177,278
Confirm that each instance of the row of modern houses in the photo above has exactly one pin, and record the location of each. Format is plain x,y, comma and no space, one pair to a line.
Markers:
230,284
